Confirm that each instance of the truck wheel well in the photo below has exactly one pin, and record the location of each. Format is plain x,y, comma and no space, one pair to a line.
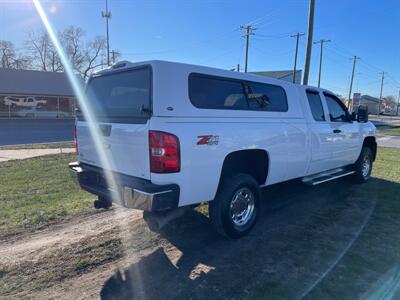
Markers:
253,162
370,142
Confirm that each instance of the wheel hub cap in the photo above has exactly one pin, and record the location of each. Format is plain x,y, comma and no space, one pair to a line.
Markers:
366,166
242,206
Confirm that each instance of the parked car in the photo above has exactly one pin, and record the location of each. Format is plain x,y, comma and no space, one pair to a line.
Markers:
39,113
178,135
16,101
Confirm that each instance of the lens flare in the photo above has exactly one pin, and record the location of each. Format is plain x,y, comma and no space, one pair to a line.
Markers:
105,161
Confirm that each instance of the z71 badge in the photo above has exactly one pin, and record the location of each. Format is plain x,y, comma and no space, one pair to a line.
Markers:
207,140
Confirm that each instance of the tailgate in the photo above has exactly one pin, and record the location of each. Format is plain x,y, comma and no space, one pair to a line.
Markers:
126,147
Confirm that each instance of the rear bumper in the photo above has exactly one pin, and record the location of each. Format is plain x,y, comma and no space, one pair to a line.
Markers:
132,192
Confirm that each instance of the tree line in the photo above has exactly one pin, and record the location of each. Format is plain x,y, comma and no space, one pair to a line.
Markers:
39,53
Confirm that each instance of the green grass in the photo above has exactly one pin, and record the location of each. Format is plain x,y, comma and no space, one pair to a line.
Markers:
393,130
371,266
38,190
376,251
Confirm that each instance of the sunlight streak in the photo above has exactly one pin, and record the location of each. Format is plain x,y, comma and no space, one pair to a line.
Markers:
106,162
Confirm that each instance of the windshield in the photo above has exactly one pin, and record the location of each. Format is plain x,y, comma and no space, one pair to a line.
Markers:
121,97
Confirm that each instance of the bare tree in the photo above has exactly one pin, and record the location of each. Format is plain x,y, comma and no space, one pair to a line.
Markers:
72,41
389,102
43,54
93,56
84,56
7,54
12,58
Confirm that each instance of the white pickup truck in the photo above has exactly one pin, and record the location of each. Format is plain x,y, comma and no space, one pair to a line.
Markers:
180,135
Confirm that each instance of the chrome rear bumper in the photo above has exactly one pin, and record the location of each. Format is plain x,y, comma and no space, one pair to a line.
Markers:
131,192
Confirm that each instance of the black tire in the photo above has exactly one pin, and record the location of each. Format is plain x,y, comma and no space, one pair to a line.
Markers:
362,175
102,202
222,214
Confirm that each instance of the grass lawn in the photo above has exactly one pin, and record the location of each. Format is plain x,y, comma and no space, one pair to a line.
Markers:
392,130
38,190
373,260
370,268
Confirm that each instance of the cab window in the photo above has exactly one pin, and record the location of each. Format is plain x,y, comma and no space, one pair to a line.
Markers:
337,111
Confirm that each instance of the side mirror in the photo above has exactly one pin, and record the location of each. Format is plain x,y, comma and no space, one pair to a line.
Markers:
362,114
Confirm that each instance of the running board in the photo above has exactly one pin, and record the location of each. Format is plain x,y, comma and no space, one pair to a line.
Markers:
326,176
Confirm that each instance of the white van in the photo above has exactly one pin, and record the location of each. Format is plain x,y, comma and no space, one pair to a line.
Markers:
180,135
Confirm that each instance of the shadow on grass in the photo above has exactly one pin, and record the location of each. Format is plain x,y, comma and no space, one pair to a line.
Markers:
302,246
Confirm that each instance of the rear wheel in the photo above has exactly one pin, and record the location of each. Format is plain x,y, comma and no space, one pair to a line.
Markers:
363,166
235,209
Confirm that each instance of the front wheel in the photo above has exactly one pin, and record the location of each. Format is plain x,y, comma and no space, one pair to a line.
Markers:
363,166
235,209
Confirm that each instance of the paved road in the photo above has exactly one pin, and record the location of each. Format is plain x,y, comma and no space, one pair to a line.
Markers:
385,120
31,131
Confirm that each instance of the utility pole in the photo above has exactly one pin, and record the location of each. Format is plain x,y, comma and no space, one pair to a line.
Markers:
297,36
248,31
107,16
113,54
309,42
320,58
238,67
380,95
352,78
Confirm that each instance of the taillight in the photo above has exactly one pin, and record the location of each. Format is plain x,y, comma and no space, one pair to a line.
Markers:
164,152
75,141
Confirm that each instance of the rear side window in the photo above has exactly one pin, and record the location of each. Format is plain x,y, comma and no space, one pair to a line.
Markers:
224,93
266,97
314,100
121,97
206,92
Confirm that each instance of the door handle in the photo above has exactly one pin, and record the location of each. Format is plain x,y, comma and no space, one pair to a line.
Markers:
337,131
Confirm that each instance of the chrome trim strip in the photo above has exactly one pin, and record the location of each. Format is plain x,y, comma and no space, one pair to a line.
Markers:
151,194
332,178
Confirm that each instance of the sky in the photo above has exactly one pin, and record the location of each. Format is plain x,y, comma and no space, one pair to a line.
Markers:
208,33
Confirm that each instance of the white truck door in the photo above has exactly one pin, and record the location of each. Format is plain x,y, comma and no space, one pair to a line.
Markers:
320,135
345,133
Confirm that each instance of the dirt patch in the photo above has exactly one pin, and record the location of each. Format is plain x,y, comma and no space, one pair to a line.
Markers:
31,246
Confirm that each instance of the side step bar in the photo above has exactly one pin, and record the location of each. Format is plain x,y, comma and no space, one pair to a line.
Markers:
326,176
